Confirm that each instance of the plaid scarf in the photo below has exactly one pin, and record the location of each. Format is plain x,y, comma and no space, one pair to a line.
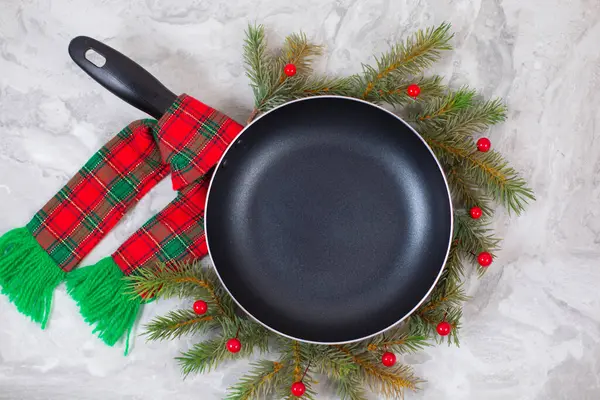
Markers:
187,142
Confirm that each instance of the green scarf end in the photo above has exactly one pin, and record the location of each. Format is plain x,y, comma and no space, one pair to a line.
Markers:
105,300
28,275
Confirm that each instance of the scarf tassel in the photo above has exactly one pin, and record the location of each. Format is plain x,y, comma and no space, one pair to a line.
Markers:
105,300
28,275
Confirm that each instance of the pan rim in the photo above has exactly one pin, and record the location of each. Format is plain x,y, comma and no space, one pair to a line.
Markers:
451,208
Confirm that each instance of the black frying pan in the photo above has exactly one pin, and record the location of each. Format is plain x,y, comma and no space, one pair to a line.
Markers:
328,219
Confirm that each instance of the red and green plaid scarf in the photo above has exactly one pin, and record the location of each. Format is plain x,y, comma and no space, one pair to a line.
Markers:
187,142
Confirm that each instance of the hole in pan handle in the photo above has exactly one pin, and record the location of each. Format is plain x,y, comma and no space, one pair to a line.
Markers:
121,76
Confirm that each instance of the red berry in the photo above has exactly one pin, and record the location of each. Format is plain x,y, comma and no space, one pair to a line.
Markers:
298,389
200,307
290,69
484,259
234,345
388,359
444,328
413,90
475,212
484,144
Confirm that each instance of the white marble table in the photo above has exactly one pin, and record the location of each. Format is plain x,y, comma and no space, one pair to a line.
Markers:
532,329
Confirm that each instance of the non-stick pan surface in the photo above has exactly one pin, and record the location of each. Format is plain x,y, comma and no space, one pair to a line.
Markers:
328,219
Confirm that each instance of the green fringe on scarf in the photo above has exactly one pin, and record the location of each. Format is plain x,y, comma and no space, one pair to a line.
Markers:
105,300
28,275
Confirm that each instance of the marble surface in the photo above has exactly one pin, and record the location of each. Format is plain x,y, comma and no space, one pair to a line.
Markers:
532,328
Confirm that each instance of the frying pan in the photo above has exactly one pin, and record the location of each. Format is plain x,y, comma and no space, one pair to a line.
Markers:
328,219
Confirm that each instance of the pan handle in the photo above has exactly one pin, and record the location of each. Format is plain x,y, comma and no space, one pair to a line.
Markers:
122,76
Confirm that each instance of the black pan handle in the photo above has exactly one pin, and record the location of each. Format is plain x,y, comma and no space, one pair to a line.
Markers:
122,76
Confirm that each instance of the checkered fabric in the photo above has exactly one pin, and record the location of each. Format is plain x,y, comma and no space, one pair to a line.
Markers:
187,141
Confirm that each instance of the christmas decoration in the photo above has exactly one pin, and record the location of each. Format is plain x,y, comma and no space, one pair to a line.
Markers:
234,345
484,145
484,259
475,212
290,70
200,307
388,359
447,120
298,389
413,90
38,257
443,328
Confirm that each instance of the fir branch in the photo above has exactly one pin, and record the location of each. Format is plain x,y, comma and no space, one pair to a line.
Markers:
439,109
304,87
473,236
419,52
178,323
453,270
207,355
299,51
396,340
488,170
204,356
183,280
330,361
349,387
387,381
394,93
465,121
465,193
445,303
262,379
258,62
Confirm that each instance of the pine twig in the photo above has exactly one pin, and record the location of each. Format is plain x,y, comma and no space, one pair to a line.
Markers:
419,52
465,121
183,280
439,109
394,93
465,193
445,303
349,387
474,236
488,170
396,340
262,379
207,355
299,51
204,356
178,323
387,381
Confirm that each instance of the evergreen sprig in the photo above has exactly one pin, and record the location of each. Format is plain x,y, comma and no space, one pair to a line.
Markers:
179,323
448,120
488,170
260,382
444,304
394,93
419,52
